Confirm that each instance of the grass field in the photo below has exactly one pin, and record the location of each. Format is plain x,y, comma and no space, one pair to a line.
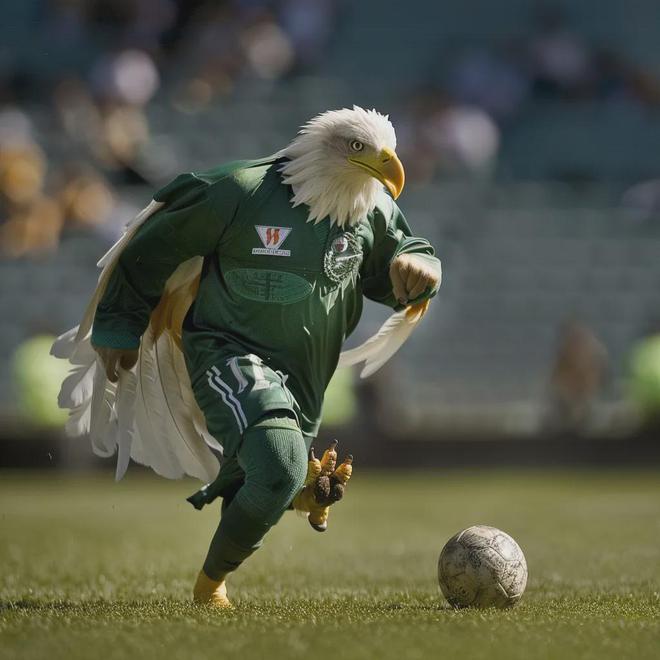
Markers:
91,569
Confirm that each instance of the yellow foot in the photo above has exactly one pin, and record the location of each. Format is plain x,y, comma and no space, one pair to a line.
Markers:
324,485
211,592
305,501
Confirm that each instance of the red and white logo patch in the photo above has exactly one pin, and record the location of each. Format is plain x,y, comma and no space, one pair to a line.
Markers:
272,238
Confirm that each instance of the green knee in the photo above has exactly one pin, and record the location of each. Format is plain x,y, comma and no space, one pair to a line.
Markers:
273,456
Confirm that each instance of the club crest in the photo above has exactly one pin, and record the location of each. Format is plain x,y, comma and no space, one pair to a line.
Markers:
343,258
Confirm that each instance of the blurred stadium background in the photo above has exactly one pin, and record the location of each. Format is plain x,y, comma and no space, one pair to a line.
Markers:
530,133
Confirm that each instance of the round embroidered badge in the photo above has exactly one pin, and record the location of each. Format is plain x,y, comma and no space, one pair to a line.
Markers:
343,258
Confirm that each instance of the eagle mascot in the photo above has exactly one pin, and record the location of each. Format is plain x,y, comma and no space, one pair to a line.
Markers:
219,318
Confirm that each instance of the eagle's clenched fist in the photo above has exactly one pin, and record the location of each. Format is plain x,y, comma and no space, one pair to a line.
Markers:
411,276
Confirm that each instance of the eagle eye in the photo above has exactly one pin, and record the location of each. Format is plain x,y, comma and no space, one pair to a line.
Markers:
356,145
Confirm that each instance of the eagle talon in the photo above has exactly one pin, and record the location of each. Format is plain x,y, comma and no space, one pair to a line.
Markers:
329,459
324,485
313,468
343,473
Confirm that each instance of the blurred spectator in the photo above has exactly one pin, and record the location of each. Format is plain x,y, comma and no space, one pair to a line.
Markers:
15,128
310,25
419,156
268,50
123,82
489,80
22,173
577,378
149,22
77,112
208,50
644,86
31,221
443,137
63,22
465,138
643,200
612,75
85,198
124,134
127,77
561,61
111,15
32,230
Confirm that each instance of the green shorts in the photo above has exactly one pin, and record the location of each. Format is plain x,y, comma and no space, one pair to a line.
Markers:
236,392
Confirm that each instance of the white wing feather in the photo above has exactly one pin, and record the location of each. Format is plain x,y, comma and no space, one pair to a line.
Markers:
79,419
77,387
102,426
157,428
187,443
65,344
377,350
151,414
125,407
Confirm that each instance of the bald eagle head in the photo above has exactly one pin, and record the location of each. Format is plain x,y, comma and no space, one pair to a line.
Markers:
338,163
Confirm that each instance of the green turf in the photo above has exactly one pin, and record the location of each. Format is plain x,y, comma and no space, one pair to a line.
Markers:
91,569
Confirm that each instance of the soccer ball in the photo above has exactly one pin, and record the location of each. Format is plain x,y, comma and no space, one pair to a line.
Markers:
482,567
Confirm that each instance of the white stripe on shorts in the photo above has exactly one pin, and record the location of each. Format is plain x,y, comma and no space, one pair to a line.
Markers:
230,396
230,402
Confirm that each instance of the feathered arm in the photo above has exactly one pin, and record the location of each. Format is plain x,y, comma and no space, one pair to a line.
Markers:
398,269
150,415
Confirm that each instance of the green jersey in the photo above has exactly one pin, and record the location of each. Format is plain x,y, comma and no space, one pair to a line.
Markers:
273,285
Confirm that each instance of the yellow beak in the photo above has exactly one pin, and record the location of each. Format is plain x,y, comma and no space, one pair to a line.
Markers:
384,166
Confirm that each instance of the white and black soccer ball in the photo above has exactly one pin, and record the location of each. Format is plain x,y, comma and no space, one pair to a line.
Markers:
482,567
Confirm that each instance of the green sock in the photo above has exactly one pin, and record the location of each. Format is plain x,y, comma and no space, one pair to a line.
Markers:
274,458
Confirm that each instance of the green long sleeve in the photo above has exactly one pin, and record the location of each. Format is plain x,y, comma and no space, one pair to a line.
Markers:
190,224
392,237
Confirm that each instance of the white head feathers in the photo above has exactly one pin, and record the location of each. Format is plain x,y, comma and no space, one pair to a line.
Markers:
319,169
